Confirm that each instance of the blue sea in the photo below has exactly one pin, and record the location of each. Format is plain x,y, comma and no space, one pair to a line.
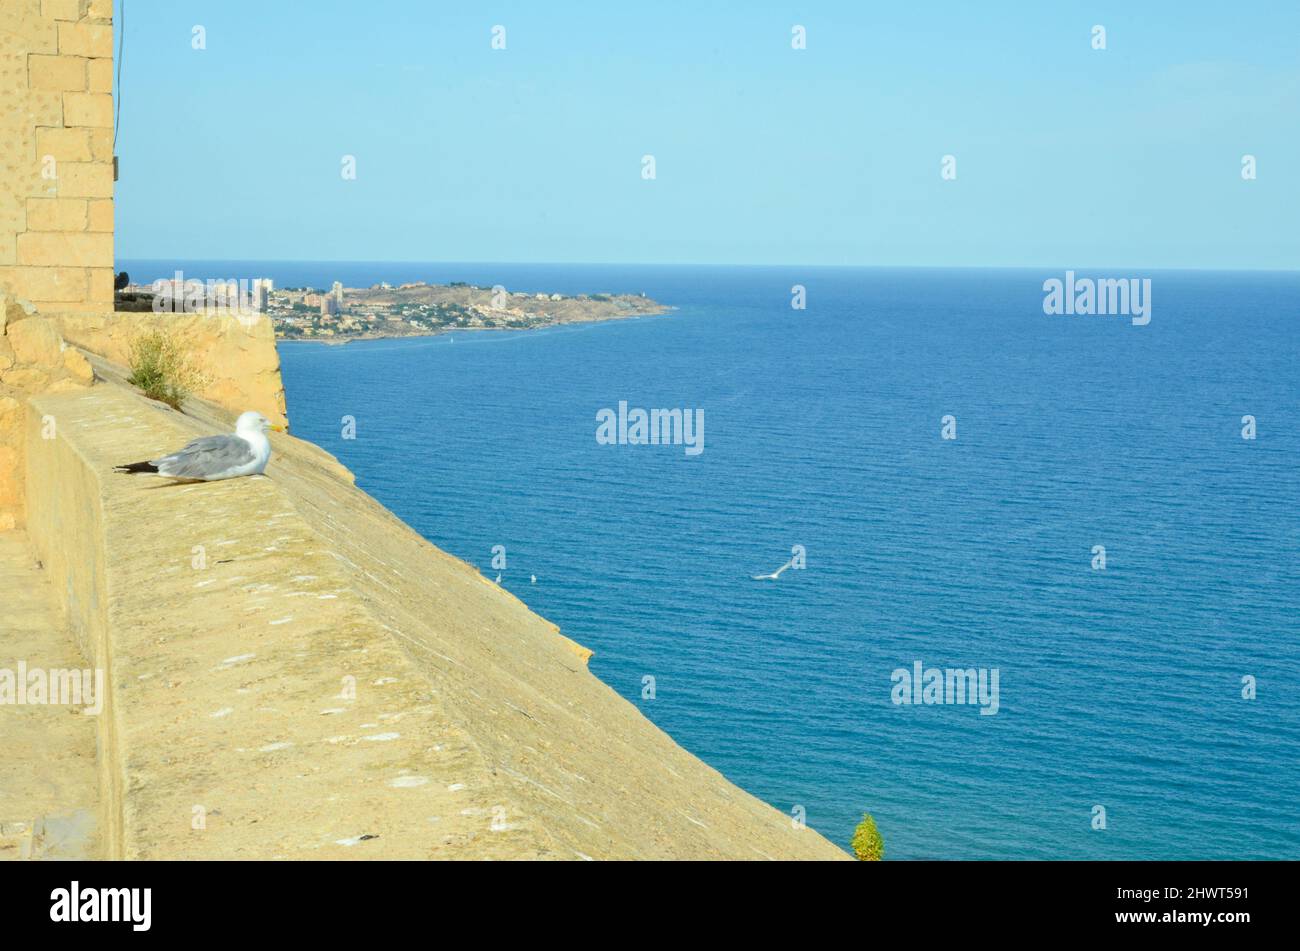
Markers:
1120,688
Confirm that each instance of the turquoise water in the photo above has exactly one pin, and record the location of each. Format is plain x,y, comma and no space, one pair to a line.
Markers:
1119,687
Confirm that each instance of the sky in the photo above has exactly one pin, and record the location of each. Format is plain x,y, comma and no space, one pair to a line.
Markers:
1065,155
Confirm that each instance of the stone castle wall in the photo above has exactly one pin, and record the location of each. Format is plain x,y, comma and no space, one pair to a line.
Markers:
56,153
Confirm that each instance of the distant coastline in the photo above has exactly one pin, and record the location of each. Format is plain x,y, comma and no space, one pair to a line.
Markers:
421,309
339,340
383,310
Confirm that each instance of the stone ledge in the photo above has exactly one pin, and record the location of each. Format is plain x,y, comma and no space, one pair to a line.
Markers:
476,731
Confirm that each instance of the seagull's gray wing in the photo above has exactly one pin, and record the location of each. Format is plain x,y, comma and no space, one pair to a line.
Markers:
206,457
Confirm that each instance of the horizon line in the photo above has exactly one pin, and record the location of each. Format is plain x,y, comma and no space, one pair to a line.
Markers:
710,264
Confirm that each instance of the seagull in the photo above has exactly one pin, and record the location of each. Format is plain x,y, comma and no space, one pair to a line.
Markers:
211,458
776,574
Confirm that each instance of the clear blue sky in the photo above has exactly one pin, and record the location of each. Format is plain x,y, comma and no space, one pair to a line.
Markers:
1066,156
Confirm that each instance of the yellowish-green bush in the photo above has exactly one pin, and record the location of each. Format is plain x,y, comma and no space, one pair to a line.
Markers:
868,846
162,368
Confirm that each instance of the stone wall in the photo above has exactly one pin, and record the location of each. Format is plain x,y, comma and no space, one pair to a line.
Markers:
56,153
66,514
34,358
235,352
292,664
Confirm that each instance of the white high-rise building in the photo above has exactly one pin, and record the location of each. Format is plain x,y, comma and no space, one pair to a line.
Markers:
337,293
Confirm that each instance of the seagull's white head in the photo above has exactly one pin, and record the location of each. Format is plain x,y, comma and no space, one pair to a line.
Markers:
252,422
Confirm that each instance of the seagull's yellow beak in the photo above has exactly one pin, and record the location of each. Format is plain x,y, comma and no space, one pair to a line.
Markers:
279,429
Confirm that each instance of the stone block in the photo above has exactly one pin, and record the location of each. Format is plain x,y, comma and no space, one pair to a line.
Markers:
86,39
44,285
60,73
100,215
101,284
85,180
66,145
63,249
91,109
63,9
99,75
101,144
58,214
36,343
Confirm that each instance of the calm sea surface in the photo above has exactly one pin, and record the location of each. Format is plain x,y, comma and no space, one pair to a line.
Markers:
1119,688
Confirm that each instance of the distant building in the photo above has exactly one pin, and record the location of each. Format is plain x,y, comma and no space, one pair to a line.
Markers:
329,306
337,293
262,287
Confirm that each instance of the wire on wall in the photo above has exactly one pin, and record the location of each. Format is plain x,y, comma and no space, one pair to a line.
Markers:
121,43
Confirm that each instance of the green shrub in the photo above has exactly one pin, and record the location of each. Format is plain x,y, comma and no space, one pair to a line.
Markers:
161,368
868,846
